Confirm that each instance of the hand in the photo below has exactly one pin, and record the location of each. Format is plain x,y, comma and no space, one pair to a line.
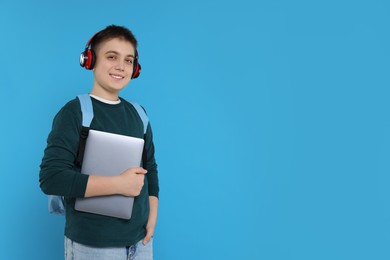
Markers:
149,233
152,219
131,181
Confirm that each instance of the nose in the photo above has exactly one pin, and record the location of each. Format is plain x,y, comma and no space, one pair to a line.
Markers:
120,66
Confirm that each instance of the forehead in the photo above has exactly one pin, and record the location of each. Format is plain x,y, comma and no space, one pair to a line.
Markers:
117,45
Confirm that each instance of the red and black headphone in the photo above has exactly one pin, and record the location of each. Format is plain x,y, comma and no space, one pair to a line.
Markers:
88,58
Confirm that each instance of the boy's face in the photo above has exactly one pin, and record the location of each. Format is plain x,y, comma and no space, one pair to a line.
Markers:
113,68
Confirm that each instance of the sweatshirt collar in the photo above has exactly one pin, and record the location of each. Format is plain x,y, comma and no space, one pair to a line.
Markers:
111,102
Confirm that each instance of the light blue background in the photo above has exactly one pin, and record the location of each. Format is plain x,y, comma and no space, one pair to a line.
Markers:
271,122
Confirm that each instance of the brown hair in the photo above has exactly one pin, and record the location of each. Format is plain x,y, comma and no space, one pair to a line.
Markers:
111,32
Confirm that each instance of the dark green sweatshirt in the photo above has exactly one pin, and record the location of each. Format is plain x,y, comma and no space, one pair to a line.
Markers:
60,176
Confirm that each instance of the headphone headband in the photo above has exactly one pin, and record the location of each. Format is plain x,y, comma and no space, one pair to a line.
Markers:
88,45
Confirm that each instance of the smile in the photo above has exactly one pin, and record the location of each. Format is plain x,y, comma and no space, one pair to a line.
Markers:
116,76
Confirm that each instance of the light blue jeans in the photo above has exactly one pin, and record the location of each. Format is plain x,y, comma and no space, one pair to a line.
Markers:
139,251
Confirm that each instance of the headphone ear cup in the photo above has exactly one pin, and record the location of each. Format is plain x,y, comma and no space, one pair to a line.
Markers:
91,58
83,58
136,69
87,59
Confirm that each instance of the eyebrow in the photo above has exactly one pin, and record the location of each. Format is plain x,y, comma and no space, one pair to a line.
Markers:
117,53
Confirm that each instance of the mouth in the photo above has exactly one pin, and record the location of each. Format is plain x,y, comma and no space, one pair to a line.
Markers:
116,76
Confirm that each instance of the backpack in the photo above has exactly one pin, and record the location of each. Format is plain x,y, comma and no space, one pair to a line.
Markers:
56,203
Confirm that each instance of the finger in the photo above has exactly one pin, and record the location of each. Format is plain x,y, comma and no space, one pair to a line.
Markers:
140,170
147,238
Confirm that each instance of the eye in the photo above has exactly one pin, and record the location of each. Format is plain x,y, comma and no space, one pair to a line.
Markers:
111,57
129,61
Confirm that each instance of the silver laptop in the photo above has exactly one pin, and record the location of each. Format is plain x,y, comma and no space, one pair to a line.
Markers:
108,154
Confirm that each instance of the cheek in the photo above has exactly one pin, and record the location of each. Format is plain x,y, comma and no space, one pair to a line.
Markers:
102,65
127,79
130,70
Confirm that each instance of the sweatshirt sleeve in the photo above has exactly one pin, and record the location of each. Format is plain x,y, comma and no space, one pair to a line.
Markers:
151,165
58,174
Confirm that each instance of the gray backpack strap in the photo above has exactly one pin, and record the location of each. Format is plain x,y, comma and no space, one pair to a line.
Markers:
86,109
145,121
142,114
56,203
87,116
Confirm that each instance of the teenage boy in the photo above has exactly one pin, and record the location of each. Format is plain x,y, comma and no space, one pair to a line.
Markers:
112,55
